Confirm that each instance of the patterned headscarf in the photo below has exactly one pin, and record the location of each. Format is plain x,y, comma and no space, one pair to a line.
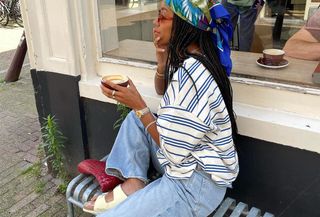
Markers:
208,15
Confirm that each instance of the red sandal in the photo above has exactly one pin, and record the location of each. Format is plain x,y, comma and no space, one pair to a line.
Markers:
97,169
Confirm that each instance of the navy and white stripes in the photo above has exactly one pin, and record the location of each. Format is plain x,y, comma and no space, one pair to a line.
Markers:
195,128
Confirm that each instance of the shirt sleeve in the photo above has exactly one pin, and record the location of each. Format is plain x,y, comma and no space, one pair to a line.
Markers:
180,131
313,25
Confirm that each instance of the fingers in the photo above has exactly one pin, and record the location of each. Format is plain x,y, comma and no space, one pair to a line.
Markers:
156,44
128,96
108,92
114,91
112,85
156,41
161,50
131,84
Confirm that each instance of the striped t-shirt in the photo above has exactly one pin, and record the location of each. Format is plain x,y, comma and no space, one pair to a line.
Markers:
194,127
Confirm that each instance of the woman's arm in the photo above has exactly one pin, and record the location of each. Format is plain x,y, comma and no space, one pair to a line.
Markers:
130,97
152,128
302,45
162,55
159,80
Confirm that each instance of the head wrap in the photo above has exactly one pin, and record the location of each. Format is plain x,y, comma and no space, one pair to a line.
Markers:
211,16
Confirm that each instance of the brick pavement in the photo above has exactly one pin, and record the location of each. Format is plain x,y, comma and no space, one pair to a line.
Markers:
19,138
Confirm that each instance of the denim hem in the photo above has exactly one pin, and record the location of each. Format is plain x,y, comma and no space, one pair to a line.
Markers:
119,174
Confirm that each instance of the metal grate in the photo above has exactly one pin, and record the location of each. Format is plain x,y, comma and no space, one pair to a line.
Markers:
229,208
80,190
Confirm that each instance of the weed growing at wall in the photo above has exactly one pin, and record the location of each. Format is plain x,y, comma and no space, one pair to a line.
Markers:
35,171
123,110
53,144
50,153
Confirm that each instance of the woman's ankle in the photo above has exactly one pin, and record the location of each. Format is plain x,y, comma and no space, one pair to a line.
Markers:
132,185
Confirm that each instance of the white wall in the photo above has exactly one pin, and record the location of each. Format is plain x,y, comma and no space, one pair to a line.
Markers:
50,35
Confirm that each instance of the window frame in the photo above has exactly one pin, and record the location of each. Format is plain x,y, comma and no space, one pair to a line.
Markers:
112,60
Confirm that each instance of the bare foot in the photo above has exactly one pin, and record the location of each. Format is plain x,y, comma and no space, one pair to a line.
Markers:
129,187
132,185
94,198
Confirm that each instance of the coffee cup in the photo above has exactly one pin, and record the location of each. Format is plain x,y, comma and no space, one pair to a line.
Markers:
274,56
121,80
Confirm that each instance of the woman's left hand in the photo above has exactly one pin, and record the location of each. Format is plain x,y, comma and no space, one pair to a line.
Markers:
128,96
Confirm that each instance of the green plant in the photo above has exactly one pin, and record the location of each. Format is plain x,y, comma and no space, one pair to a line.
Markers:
49,150
35,171
62,188
40,185
124,111
53,144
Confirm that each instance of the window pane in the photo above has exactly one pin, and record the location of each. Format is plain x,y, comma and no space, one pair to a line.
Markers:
286,17
257,28
126,28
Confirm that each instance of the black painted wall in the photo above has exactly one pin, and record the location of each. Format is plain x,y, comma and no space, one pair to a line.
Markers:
58,95
99,119
87,124
276,178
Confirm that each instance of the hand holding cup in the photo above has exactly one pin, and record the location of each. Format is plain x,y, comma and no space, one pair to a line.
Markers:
121,80
122,89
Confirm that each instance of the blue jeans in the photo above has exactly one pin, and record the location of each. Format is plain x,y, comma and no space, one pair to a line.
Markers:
130,158
247,18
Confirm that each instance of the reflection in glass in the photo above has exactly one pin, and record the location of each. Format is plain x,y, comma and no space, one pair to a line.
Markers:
277,22
243,16
126,28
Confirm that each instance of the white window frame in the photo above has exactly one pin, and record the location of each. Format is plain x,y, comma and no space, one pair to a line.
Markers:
141,73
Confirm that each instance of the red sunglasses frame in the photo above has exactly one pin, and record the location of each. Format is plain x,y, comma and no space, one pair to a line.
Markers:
161,17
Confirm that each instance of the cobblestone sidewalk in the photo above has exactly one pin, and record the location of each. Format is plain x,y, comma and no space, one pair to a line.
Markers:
19,138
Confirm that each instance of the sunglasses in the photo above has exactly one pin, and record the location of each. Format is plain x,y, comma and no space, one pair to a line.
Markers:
162,16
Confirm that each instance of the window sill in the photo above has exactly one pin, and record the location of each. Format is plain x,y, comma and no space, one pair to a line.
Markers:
298,73
263,111
91,89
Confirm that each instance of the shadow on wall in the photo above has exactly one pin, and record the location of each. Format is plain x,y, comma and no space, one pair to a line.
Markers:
279,179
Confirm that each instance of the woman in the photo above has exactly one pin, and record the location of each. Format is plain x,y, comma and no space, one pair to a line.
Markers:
191,141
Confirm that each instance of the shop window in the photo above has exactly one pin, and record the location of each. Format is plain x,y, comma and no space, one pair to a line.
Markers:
277,21
126,29
285,17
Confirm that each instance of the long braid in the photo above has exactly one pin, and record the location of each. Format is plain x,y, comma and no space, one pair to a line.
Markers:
184,34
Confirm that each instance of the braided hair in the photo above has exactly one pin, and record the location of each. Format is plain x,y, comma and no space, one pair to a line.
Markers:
182,35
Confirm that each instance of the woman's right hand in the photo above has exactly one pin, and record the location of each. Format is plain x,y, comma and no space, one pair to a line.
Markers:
161,50
128,96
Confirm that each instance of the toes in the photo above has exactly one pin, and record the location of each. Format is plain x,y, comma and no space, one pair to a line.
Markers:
109,196
89,205
94,198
